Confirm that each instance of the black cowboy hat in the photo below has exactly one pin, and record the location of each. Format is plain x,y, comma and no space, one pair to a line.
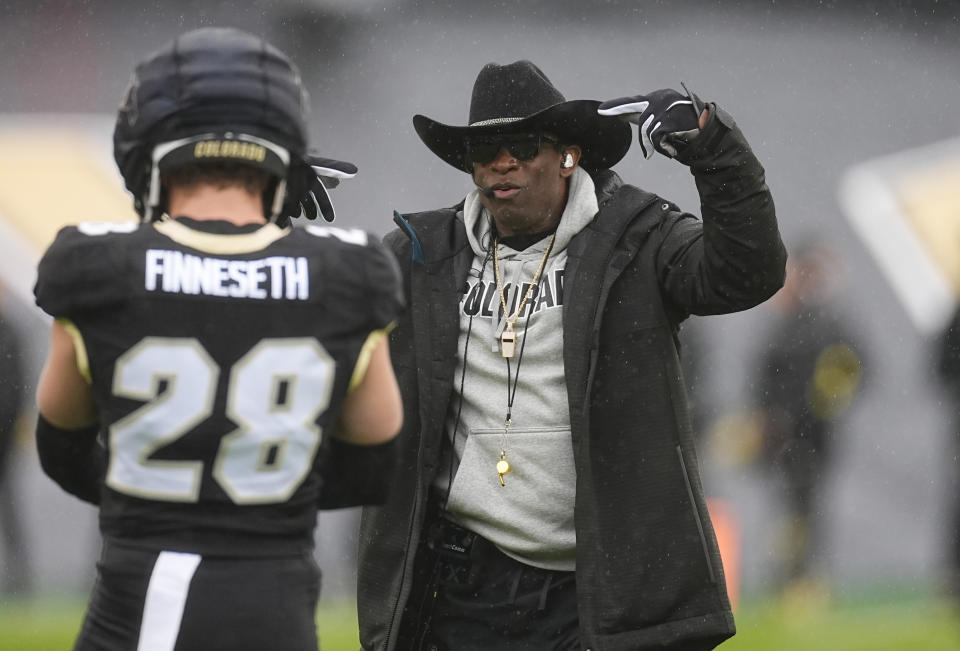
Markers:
518,97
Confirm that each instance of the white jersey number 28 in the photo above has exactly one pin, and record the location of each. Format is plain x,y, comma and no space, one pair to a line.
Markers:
275,393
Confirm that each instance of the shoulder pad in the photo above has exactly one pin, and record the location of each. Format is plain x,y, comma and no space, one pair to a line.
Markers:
356,264
81,269
385,286
346,235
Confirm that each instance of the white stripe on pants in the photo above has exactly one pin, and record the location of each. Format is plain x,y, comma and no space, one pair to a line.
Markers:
166,597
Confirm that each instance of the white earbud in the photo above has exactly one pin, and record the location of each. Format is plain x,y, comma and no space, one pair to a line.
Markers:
567,160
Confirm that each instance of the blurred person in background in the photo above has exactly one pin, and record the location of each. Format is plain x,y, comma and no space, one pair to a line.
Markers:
808,372
15,574
549,495
214,375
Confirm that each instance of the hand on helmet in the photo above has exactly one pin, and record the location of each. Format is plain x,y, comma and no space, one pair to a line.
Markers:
667,119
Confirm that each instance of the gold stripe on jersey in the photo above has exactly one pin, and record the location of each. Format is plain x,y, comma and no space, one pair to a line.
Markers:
83,362
220,243
366,352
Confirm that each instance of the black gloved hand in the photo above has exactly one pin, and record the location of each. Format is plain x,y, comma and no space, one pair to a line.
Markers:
308,195
328,175
667,119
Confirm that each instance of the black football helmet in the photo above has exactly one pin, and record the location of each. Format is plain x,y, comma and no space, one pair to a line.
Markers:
221,94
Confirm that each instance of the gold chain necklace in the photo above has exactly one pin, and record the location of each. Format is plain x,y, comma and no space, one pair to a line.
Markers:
508,338
508,342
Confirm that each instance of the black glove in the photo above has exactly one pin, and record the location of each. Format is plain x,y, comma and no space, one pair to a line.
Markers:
667,120
308,190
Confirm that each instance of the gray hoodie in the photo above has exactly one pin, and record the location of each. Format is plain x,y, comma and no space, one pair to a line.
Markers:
530,517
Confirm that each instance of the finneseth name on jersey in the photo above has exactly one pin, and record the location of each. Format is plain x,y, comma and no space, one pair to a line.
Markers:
219,354
276,277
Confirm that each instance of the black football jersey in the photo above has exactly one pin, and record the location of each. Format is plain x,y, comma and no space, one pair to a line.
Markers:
219,358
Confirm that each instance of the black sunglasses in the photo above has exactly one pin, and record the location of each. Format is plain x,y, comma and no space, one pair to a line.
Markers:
522,146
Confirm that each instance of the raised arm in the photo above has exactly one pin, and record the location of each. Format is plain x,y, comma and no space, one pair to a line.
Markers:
733,258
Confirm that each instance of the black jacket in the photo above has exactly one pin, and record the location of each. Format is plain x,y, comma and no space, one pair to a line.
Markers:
648,566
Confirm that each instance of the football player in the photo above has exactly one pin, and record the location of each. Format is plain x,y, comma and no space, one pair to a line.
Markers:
215,375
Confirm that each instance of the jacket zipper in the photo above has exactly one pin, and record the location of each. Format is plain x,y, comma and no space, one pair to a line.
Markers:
696,515
409,558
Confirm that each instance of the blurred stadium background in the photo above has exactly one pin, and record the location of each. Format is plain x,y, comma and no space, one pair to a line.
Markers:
850,106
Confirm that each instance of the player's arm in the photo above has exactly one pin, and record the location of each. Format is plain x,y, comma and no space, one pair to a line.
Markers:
363,450
372,412
67,425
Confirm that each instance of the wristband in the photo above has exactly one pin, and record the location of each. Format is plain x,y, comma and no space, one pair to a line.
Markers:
354,475
74,459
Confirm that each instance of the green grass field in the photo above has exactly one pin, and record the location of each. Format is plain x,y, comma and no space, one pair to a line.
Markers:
913,625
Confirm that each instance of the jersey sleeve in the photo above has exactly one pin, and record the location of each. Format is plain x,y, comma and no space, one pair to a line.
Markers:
78,272
384,286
